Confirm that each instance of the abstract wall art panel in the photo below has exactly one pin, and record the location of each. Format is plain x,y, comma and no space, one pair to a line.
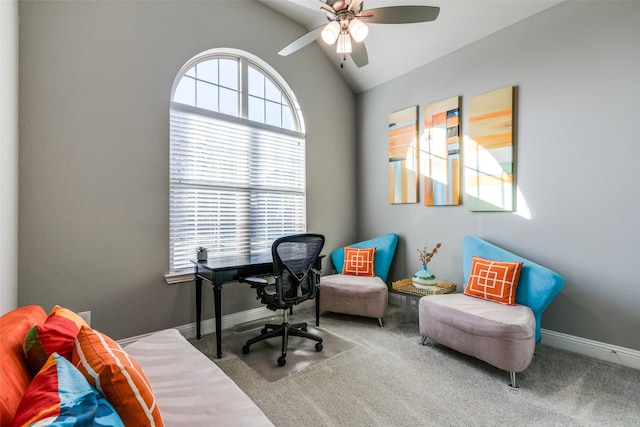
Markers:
488,157
403,156
440,153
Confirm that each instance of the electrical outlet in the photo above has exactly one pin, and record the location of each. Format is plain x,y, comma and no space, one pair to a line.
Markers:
86,315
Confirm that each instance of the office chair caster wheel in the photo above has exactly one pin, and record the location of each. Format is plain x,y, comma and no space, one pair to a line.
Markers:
282,361
264,331
319,346
304,328
245,349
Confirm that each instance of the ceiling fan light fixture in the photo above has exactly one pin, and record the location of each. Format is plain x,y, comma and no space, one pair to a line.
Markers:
344,43
358,30
348,19
331,32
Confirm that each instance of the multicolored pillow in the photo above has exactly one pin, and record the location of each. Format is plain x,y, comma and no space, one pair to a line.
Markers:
117,376
56,334
493,280
59,395
358,261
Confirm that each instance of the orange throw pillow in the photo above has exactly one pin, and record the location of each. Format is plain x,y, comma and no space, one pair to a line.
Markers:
359,262
117,376
14,372
494,280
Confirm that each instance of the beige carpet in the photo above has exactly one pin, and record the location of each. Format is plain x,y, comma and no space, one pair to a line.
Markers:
263,356
389,379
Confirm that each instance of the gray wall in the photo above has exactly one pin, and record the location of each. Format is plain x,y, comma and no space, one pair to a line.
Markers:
94,86
95,80
576,70
8,155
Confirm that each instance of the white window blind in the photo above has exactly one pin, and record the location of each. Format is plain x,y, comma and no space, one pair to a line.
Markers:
235,187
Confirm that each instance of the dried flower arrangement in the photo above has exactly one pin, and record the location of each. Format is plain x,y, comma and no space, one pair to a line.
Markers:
426,256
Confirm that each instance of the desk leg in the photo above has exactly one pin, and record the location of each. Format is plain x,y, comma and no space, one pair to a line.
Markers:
318,267
198,305
318,306
217,291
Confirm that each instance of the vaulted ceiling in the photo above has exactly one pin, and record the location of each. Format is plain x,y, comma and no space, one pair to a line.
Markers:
397,49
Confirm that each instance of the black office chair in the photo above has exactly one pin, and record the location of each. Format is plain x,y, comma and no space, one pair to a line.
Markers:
295,280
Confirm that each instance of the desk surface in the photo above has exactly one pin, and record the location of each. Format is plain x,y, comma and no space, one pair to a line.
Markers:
234,262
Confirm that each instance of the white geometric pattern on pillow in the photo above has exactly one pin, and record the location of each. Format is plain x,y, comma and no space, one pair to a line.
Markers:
358,261
493,280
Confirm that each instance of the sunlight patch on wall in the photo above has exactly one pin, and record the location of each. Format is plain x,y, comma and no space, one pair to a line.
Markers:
488,157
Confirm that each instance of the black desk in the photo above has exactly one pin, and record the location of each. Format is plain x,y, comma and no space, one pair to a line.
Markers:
228,269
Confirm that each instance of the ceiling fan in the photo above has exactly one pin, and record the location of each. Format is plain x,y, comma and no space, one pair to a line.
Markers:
347,23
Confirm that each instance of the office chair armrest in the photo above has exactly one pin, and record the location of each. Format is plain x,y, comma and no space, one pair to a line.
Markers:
257,282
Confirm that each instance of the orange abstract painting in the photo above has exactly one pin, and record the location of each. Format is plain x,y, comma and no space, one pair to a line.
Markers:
488,157
403,156
440,153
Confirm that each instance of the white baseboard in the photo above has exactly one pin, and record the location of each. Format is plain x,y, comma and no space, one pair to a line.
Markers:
208,326
598,350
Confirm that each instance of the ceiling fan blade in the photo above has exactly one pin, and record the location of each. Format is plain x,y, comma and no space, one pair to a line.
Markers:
301,41
400,14
354,5
314,4
359,54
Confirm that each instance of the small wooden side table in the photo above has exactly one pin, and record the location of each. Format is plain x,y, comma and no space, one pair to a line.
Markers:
405,286
412,294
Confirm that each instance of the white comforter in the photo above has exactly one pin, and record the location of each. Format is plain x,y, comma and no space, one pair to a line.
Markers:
189,388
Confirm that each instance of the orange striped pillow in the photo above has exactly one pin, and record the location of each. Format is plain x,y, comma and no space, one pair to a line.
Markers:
493,280
359,262
117,376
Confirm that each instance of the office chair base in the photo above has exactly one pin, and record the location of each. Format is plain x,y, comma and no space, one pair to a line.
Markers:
283,330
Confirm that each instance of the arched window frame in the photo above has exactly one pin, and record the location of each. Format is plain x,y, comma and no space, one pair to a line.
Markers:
180,268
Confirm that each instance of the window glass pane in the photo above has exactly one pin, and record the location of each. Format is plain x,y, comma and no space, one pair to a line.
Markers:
256,109
272,93
186,91
256,83
207,96
288,121
228,102
274,114
208,71
235,186
229,73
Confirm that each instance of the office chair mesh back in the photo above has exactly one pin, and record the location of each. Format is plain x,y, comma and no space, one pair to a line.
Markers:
294,258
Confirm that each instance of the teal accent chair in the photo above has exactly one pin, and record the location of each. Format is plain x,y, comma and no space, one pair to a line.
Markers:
502,335
537,287
359,295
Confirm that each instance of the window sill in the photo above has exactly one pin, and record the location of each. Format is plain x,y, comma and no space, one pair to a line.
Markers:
179,277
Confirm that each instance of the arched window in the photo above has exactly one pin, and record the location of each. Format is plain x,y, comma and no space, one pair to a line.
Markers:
237,158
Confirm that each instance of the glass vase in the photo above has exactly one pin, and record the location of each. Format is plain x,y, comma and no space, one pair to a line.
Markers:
423,278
